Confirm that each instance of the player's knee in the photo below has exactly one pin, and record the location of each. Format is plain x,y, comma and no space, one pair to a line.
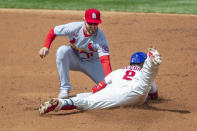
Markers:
62,52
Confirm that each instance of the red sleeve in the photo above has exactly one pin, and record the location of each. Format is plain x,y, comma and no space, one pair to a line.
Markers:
49,38
105,61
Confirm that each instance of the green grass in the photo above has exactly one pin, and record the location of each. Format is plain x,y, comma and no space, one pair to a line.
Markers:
161,6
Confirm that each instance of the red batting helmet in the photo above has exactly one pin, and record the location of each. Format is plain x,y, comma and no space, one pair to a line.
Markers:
92,16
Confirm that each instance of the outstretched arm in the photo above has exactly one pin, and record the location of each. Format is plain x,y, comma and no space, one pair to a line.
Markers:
49,39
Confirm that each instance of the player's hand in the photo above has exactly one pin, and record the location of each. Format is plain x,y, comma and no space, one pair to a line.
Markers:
43,52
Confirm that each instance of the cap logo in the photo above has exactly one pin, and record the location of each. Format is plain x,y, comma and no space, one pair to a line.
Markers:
93,15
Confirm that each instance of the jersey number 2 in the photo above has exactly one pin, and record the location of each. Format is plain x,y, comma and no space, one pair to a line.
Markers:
128,75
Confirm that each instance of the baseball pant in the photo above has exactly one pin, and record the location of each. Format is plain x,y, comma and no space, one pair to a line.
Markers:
66,60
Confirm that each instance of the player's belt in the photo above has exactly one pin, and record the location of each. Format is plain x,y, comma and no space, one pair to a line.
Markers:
76,48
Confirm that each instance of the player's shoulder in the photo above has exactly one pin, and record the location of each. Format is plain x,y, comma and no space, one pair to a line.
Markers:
100,32
100,35
71,25
77,24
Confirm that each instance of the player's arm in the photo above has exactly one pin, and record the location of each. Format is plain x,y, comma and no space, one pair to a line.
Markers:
105,61
60,30
104,56
49,39
104,53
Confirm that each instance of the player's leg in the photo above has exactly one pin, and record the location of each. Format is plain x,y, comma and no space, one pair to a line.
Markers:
151,65
83,101
66,60
93,69
149,71
153,93
56,104
106,98
110,96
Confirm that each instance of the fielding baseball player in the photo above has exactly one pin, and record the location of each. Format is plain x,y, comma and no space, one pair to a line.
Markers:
87,52
128,86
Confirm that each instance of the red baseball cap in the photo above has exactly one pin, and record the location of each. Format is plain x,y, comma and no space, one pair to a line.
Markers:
92,16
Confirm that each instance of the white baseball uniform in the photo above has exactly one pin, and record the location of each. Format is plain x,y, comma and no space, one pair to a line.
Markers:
83,54
128,86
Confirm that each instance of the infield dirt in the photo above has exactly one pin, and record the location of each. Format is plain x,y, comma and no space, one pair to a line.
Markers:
26,80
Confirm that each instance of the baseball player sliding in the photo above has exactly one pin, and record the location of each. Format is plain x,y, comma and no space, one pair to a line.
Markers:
87,52
128,86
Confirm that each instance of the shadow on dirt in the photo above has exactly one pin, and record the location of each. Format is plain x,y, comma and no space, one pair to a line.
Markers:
148,106
68,113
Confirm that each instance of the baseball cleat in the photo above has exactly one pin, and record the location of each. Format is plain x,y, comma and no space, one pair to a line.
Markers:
154,55
52,105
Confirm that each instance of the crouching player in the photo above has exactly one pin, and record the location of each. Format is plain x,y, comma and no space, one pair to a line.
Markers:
128,86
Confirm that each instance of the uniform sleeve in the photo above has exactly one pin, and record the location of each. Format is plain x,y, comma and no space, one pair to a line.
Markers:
49,38
103,53
103,47
61,30
105,61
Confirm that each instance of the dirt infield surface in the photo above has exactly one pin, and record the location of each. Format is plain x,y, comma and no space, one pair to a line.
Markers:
26,80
